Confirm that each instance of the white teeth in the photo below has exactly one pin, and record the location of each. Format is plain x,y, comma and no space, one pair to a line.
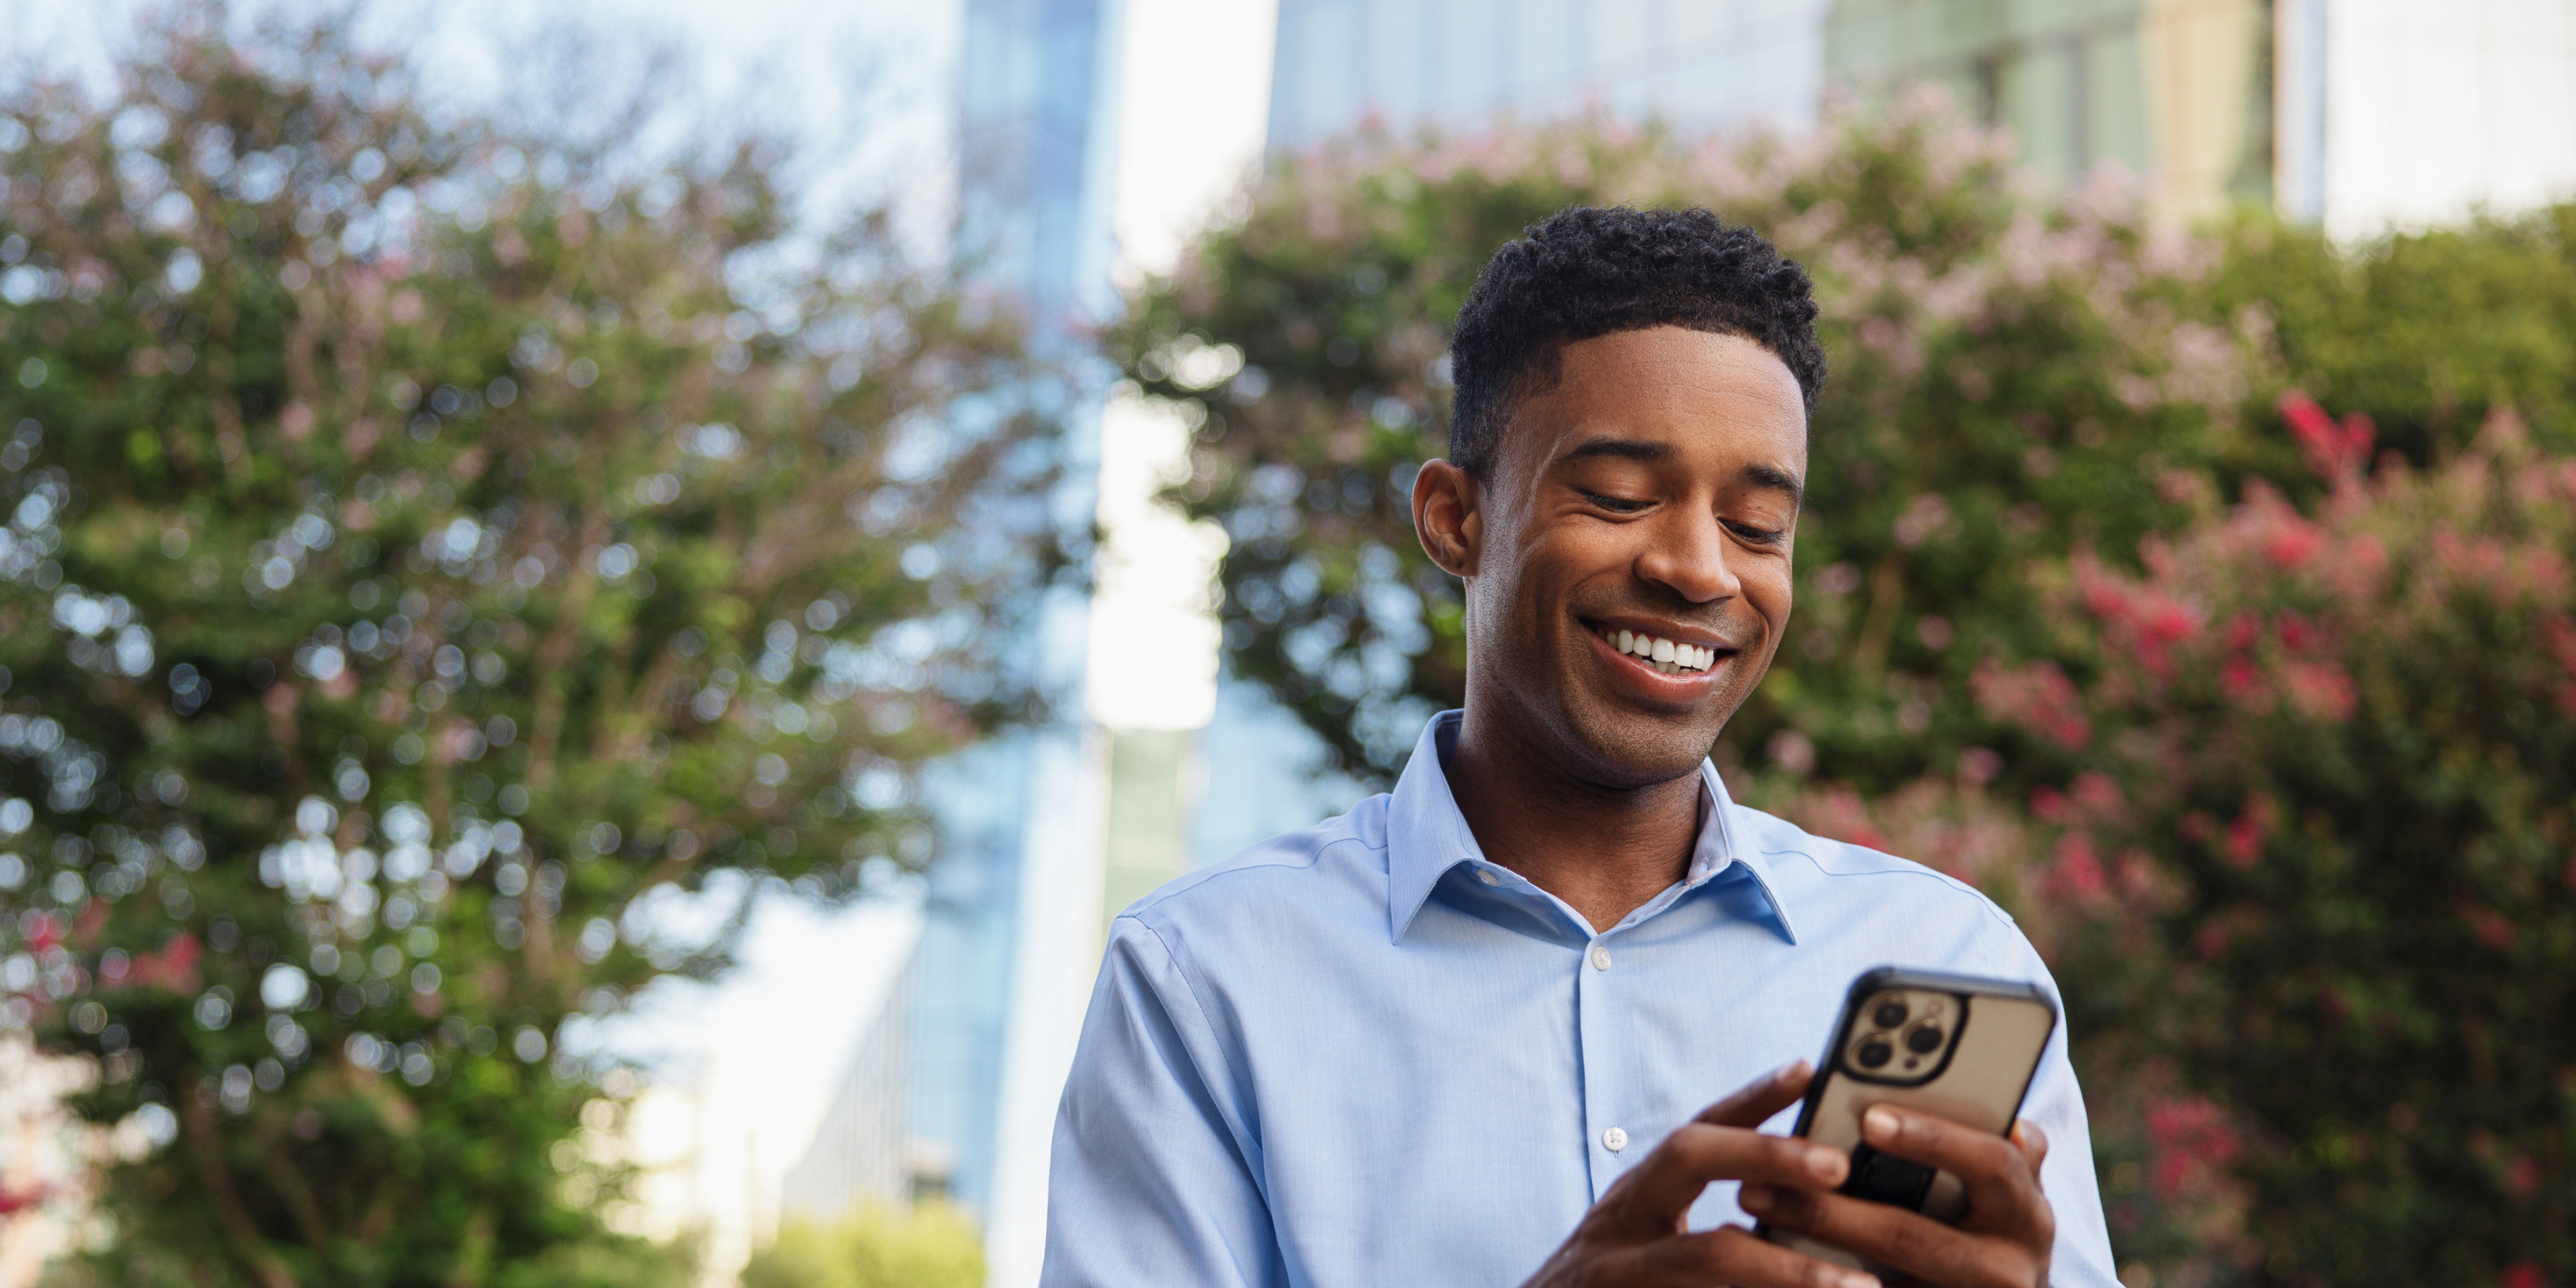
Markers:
1664,655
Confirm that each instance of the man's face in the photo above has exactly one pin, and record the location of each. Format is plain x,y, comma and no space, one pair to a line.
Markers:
1645,503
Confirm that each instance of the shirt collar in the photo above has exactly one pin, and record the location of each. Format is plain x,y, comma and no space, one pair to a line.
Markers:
1427,835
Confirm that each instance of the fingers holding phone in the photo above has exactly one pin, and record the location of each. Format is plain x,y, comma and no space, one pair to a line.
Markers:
2004,1237
1922,1083
1636,1235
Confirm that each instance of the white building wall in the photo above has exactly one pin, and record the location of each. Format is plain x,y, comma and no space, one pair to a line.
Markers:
2418,114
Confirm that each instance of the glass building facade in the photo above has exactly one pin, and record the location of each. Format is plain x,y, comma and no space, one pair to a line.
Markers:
1019,818
1456,64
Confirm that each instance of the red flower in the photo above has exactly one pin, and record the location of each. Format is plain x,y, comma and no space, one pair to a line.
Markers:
2297,633
2245,835
2523,1274
2242,631
2241,681
92,919
2322,690
2492,928
2334,451
2096,792
2190,1138
2079,874
2047,804
174,967
2037,697
2293,543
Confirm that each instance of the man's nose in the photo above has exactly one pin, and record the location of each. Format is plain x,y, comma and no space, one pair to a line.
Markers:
1687,554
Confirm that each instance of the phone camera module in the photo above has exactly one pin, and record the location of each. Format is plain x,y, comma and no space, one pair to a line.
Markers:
1890,1014
1874,1054
1924,1040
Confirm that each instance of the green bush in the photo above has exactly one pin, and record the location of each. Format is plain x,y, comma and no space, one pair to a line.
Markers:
927,1246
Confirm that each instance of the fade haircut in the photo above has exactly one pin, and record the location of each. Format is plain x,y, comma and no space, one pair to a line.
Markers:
1584,272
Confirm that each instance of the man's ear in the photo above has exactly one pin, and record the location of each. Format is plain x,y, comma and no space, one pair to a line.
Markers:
1448,517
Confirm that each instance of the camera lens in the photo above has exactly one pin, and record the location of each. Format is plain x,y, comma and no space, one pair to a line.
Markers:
1874,1053
1924,1040
1889,1014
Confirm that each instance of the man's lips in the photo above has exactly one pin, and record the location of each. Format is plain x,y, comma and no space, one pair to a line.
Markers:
1660,650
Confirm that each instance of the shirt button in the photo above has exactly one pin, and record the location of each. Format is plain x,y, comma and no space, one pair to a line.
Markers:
1601,961
1487,876
1614,1140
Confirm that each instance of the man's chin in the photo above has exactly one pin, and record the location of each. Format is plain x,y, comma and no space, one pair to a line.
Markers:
1628,749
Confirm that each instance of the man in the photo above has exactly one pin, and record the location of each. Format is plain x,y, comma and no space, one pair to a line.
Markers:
1420,1043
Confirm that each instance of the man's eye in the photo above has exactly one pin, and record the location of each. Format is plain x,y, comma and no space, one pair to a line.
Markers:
1763,536
1616,504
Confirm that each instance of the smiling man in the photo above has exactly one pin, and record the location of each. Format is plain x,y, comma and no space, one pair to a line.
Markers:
1470,1033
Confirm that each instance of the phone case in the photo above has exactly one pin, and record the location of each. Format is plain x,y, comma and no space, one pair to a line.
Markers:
1990,1035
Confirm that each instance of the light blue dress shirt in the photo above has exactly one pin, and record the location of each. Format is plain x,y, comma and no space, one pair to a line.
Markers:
1364,1054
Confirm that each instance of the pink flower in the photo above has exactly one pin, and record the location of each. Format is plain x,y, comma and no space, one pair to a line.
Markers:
2240,681
174,967
2096,792
2523,1274
2293,544
2335,451
2047,804
2079,874
2243,630
2036,696
2321,690
2245,835
2190,1138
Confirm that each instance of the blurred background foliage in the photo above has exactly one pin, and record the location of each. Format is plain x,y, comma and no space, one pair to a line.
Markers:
929,1245
2288,812
429,546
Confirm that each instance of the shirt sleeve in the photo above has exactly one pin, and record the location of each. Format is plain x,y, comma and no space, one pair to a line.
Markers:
1153,1178
2055,1104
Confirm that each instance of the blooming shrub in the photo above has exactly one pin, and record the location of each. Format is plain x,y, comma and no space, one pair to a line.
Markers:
2342,740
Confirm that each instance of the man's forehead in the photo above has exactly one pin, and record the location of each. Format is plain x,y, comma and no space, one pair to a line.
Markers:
1719,406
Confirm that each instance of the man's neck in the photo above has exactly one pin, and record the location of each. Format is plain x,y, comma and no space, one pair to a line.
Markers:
1604,851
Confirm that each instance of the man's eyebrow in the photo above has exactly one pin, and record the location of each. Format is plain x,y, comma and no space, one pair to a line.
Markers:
1777,479
1626,449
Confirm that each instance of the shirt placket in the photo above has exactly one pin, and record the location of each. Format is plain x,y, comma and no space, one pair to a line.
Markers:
1603,1018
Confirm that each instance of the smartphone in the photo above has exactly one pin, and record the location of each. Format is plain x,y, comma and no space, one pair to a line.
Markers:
1961,1046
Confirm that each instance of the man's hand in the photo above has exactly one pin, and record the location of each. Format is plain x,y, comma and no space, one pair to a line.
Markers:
1635,1237
2003,1241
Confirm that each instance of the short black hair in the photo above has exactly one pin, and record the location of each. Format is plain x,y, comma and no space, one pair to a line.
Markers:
1584,272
